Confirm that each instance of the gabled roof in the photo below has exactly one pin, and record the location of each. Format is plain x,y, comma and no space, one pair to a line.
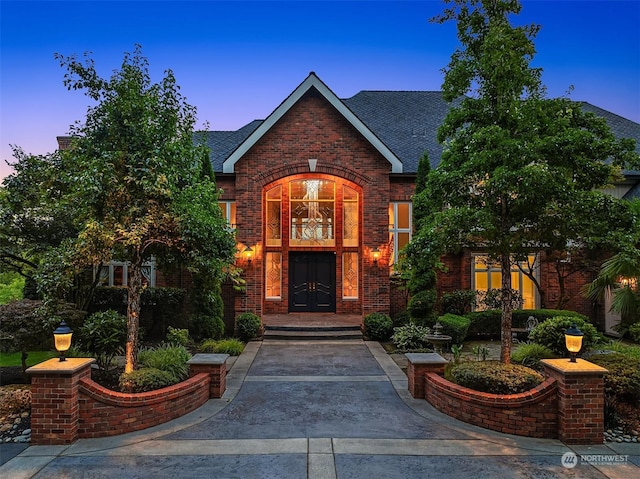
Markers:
402,125
312,81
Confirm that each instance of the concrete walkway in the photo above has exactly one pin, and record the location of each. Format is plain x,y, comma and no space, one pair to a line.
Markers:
319,409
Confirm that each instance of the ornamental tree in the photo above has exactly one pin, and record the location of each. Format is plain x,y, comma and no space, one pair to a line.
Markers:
138,184
519,172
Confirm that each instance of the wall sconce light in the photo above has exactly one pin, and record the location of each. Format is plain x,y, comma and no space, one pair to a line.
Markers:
248,254
375,253
573,340
62,339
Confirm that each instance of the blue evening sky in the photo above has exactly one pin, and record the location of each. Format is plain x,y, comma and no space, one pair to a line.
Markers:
238,60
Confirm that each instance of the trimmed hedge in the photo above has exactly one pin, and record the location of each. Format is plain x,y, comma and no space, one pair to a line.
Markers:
378,326
455,326
202,326
248,326
487,323
550,333
623,381
494,377
146,379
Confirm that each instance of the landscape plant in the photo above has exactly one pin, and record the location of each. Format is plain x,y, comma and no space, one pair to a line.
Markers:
138,185
230,346
378,326
145,379
550,333
179,337
494,377
167,357
530,354
103,335
411,337
204,326
519,173
248,326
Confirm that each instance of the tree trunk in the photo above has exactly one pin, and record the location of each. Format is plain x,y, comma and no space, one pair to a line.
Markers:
133,313
505,324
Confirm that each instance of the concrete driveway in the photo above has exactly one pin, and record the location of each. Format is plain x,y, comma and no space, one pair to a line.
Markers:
319,409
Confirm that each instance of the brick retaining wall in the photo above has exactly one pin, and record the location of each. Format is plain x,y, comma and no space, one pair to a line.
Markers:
104,412
532,413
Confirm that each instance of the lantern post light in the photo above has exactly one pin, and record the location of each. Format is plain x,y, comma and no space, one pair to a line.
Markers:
62,339
573,340
248,254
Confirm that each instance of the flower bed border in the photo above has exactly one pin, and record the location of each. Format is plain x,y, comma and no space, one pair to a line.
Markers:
66,404
533,413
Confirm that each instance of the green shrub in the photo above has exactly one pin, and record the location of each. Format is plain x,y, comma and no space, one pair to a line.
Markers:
455,326
488,323
401,319
634,332
179,337
11,286
159,308
550,333
232,346
530,354
146,379
103,335
421,305
170,358
23,328
458,302
378,326
248,326
623,381
202,326
495,377
484,323
411,337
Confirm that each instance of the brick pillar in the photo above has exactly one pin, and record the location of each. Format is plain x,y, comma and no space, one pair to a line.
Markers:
580,400
215,365
419,364
55,410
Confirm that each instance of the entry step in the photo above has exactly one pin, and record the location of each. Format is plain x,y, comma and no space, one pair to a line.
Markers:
312,332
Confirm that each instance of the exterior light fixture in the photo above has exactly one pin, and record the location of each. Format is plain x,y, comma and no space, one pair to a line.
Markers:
573,340
375,252
62,339
248,254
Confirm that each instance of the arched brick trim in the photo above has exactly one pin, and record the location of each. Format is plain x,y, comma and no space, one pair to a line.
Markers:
303,168
533,413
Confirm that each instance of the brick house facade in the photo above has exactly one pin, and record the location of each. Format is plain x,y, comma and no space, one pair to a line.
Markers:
319,194
368,145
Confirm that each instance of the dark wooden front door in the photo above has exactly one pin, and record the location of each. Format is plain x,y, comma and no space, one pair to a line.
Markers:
312,282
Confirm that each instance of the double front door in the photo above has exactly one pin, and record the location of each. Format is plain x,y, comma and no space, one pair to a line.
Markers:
312,282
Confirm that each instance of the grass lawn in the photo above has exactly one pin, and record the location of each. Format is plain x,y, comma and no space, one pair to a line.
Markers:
35,357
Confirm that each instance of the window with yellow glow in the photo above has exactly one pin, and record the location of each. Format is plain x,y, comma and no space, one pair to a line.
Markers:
312,210
350,217
350,275
487,275
228,209
273,275
400,229
273,217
